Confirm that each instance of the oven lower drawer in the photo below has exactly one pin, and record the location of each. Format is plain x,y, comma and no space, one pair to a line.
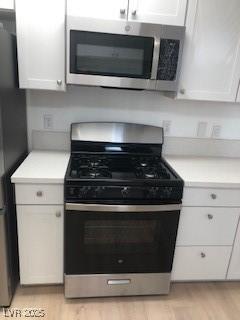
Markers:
105,285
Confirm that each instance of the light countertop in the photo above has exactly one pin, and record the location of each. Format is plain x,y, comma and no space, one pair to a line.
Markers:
42,167
214,172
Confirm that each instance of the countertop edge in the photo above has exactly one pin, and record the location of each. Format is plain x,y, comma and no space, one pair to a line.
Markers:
37,181
213,185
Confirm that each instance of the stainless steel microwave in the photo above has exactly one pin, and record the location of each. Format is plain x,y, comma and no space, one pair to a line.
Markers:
123,54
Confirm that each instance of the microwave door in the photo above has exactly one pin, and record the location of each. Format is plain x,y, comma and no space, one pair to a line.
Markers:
112,60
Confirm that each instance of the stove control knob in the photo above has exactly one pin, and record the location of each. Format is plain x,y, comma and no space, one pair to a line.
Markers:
125,192
71,191
98,191
74,173
153,191
83,191
167,191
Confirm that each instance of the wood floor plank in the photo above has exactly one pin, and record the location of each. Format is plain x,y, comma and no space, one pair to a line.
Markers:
187,301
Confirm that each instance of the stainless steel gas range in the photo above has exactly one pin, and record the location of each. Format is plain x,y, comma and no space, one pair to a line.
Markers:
122,207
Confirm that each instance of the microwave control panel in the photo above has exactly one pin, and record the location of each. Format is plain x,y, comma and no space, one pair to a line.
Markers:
168,59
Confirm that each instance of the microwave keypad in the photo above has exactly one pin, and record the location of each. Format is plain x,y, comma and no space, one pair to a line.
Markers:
168,59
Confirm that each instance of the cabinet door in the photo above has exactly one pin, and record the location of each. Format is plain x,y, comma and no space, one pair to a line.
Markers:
104,9
234,267
201,263
158,11
211,63
207,226
7,4
41,43
40,236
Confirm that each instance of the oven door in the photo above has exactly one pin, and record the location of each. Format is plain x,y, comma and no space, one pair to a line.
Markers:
112,53
112,239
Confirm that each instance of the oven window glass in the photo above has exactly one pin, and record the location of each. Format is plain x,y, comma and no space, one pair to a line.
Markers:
110,54
107,235
119,242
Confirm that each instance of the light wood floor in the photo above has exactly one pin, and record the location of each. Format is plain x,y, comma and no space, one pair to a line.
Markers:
211,301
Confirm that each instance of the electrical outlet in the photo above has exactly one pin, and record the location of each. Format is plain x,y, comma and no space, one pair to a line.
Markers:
48,121
166,127
216,131
201,129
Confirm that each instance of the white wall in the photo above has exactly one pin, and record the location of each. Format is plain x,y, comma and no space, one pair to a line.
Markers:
93,104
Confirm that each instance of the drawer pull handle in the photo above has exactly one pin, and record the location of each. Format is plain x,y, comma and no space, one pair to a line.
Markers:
210,216
118,282
213,196
203,255
39,193
58,214
182,91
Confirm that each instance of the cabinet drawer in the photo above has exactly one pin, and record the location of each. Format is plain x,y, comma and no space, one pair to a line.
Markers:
207,226
39,194
211,197
201,263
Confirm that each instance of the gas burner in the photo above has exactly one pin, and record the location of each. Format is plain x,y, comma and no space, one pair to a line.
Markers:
146,161
152,173
89,162
143,164
146,173
95,163
94,173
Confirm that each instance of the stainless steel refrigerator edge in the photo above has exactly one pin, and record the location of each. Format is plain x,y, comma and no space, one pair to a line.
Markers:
13,149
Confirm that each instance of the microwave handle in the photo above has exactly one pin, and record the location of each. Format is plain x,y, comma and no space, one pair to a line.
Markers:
155,60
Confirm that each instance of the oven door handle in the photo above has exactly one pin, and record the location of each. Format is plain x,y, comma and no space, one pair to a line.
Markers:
121,208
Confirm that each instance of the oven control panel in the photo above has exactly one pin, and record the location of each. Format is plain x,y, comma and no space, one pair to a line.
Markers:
122,192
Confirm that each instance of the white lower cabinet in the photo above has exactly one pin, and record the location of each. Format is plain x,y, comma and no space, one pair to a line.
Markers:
201,263
40,236
207,226
39,193
208,244
234,267
211,197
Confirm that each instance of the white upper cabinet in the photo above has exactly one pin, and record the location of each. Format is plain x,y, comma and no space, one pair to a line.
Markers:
211,60
7,4
41,43
151,11
158,11
103,9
